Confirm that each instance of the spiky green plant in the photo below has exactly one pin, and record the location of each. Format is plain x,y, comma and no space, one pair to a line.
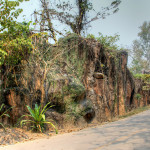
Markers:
3,114
37,118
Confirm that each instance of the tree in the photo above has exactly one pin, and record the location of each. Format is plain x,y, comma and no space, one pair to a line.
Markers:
137,60
144,36
12,34
141,50
45,17
75,15
15,43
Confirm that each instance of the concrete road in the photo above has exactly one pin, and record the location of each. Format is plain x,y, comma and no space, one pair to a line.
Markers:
132,133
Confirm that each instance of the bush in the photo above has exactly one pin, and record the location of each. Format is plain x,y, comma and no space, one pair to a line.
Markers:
138,96
37,118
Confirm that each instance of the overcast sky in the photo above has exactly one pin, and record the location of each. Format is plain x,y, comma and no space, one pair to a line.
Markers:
125,22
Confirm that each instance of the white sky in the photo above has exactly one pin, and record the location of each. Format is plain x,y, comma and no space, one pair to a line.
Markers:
126,22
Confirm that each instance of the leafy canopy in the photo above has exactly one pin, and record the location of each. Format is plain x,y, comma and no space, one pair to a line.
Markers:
14,41
141,50
75,13
109,42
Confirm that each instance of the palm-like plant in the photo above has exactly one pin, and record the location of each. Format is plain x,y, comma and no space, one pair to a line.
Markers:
4,114
37,118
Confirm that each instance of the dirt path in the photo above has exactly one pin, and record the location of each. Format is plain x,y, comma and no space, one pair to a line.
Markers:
132,133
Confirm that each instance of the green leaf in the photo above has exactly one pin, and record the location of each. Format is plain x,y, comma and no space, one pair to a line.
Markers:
52,126
32,112
25,121
1,107
43,116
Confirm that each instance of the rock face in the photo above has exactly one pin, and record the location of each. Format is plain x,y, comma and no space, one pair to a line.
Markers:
110,85
106,89
112,93
142,96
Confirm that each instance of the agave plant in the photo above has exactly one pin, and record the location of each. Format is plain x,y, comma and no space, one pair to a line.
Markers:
37,118
4,114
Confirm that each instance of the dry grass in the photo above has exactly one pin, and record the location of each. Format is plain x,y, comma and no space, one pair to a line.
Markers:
132,112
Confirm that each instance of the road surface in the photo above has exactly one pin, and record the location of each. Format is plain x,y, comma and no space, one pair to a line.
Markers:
132,133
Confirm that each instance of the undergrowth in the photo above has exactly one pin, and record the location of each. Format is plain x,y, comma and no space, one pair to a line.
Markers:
134,112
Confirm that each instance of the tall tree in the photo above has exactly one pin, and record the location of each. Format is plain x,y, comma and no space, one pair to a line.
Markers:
77,17
141,49
45,22
74,14
144,36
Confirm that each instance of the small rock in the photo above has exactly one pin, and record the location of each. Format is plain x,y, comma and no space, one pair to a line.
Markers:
98,75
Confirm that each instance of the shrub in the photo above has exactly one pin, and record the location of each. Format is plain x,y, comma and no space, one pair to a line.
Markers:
138,96
37,118
91,36
109,42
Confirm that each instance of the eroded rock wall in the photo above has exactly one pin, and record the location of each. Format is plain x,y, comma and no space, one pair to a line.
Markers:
114,93
104,90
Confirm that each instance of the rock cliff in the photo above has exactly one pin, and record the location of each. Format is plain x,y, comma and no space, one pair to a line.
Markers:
99,87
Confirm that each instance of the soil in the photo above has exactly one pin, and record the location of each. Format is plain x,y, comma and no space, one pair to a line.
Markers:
17,135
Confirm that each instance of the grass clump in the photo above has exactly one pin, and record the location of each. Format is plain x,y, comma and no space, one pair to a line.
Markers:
134,112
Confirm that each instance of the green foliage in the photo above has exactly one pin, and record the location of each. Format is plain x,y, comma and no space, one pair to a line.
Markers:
138,96
73,112
85,5
3,114
135,111
145,77
71,47
144,36
37,118
3,54
139,76
8,13
75,89
75,14
138,61
109,42
14,41
68,38
141,50
91,36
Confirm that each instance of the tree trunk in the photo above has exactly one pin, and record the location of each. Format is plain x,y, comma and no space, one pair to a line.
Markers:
50,25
